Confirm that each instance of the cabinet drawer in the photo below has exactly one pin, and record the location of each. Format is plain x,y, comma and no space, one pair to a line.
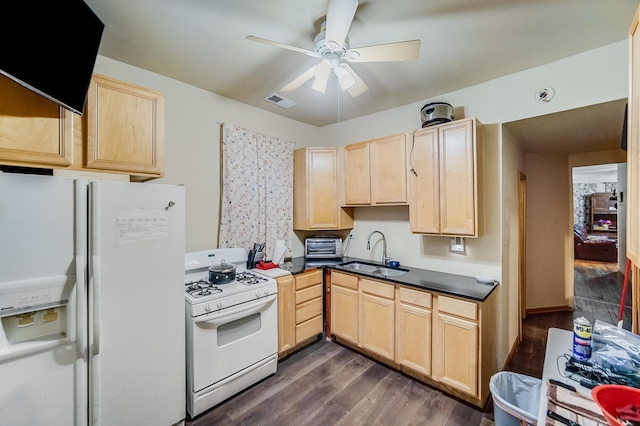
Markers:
379,289
307,279
344,280
458,307
307,310
415,297
308,329
308,293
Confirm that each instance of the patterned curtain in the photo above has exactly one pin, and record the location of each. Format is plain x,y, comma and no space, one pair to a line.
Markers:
257,190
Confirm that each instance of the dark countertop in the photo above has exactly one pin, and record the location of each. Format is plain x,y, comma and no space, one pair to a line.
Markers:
455,285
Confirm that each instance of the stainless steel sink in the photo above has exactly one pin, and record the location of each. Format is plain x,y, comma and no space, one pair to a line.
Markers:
368,268
389,272
359,267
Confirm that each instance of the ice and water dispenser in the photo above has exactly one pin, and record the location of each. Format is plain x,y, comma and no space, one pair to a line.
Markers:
36,315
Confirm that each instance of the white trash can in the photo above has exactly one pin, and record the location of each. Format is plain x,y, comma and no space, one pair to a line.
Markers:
516,398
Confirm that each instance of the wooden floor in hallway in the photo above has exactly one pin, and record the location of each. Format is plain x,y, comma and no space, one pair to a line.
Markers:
598,290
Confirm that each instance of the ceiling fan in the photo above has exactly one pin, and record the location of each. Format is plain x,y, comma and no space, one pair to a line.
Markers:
332,46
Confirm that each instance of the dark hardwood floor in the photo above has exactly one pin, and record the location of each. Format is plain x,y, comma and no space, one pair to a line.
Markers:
597,292
328,384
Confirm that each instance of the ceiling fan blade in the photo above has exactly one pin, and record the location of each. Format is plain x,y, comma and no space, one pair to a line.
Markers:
340,14
284,46
300,80
400,51
359,87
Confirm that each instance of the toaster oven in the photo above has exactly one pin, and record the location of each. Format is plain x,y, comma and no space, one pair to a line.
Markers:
323,248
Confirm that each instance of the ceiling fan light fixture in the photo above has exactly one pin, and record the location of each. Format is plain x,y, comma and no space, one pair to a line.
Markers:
321,76
345,78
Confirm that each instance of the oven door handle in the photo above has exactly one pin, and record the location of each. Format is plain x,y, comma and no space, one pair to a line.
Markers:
225,316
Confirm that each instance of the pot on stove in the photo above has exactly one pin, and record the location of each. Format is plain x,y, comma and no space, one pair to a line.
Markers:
222,273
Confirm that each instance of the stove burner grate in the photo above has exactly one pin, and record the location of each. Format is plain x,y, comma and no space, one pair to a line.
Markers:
201,288
248,278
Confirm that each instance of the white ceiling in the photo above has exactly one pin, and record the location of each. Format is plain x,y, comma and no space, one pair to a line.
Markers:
464,42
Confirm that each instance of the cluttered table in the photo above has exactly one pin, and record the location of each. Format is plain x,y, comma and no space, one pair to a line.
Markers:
559,346
577,390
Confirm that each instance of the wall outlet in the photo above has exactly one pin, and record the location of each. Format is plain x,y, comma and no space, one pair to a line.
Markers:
457,244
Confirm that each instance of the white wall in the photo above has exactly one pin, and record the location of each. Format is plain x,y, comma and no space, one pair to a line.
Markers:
513,163
549,235
192,148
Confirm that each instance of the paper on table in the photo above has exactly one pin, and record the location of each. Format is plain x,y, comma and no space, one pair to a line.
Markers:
279,251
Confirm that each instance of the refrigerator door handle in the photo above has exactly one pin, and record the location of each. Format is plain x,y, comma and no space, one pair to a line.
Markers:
95,285
223,317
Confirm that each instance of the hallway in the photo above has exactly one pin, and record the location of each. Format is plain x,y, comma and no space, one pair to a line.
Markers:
597,292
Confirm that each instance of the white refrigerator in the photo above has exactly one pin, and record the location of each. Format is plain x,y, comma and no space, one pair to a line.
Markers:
91,302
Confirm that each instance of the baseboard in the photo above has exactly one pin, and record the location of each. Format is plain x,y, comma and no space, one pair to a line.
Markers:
550,309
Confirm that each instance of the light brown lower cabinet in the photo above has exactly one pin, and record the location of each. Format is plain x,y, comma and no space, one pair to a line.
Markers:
377,317
299,310
344,306
414,330
445,341
455,358
286,313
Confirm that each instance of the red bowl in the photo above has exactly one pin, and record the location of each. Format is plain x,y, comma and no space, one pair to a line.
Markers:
611,397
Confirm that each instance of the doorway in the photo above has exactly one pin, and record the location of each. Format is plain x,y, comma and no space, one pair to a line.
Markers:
598,234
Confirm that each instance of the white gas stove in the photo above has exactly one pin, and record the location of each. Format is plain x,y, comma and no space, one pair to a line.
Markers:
232,328
204,297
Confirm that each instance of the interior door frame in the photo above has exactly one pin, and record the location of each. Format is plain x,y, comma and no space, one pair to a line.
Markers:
522,245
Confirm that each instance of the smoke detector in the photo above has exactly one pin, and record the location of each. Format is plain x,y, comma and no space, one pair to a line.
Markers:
545,94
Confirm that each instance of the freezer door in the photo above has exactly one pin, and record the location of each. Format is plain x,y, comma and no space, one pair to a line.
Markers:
42,267
136,294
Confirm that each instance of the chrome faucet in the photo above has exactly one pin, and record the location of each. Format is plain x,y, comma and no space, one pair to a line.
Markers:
385,258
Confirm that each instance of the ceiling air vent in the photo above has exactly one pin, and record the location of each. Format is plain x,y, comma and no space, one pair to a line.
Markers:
279,100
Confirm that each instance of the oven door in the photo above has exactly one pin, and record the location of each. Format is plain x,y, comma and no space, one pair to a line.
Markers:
227,341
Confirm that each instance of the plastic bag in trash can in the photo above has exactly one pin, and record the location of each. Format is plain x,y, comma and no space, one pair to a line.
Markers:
516,394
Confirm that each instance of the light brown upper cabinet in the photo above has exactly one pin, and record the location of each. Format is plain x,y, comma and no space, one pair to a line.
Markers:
316,190
34,131
375,172
120,131
124,128
444,189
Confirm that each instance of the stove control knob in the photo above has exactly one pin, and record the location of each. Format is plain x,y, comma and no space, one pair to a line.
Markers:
258,293
220,304
266,291
207,307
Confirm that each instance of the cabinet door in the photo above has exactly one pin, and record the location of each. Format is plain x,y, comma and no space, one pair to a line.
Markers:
34,131
388,170
424,185
344,313
316,190
458,204
456,353
357,174
286,313
633,150
124,128
377,318
414,338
